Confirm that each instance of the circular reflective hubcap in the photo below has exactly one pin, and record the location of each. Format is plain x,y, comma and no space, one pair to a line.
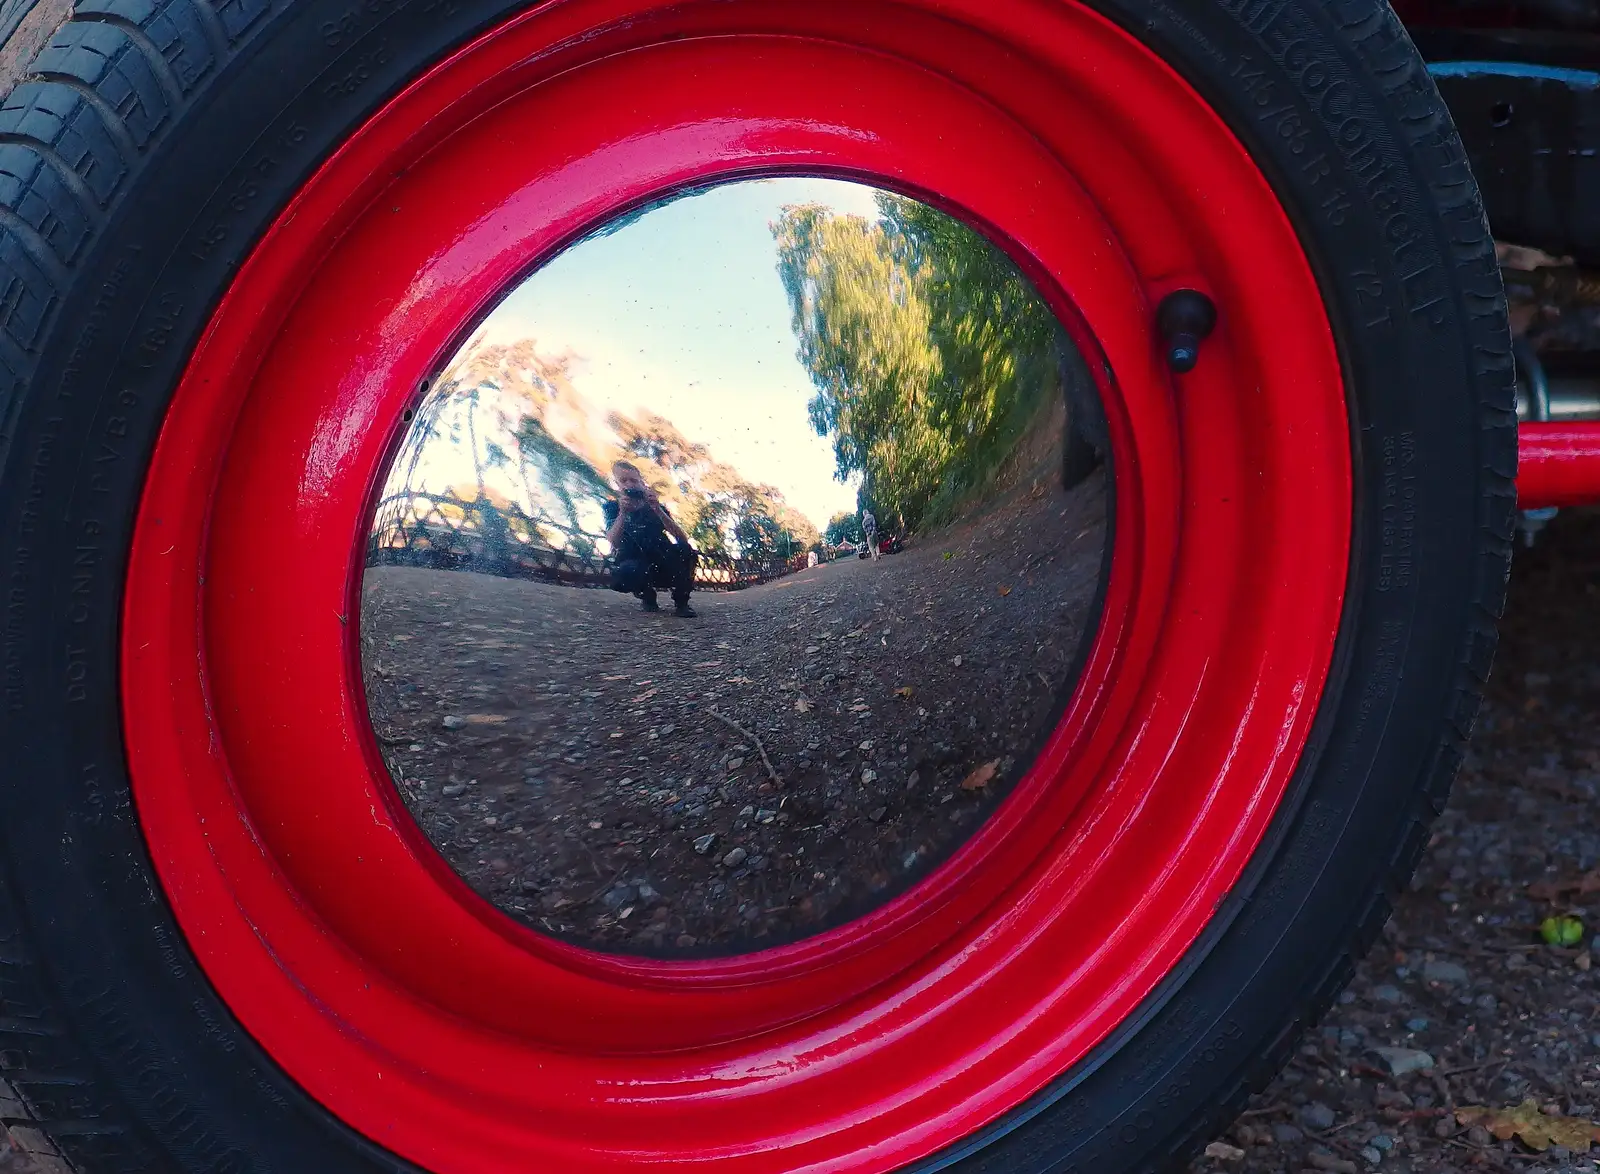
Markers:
511,873
870,526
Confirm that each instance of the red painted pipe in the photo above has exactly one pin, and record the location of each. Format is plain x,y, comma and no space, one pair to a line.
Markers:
1558,464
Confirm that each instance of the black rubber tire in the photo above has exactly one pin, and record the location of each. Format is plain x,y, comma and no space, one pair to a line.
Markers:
150,144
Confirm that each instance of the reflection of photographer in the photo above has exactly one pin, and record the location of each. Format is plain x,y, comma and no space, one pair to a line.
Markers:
643,557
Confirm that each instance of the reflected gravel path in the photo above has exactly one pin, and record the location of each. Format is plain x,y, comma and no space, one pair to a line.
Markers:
597,771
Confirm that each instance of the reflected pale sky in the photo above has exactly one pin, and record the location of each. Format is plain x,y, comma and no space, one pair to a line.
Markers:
682,313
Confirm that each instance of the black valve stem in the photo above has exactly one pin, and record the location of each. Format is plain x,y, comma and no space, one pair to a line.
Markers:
1184,319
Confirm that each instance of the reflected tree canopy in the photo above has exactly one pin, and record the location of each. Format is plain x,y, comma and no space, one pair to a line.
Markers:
930,351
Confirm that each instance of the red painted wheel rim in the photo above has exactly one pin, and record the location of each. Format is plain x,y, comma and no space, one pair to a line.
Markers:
444,1031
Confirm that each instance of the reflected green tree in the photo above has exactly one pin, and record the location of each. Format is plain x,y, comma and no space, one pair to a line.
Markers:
930,351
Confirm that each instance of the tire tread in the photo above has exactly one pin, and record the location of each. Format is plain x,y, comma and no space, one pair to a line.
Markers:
106,86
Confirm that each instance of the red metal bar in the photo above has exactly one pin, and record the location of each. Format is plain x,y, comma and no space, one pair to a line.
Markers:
1558,464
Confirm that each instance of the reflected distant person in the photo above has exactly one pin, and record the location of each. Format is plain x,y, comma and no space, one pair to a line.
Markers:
642,556
869,528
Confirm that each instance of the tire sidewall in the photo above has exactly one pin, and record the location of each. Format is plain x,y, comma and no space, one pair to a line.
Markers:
1417,324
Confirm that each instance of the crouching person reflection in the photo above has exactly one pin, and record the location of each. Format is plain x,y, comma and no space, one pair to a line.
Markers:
643,555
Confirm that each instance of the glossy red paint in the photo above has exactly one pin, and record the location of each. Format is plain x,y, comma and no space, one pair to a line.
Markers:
1558,464
466,1043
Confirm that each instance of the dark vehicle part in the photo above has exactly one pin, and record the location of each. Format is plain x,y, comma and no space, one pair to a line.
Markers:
1533,390
1532,133
1565,398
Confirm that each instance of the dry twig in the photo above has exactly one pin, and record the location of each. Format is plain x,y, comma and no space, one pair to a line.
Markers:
728,721
1494,1063
1264,1110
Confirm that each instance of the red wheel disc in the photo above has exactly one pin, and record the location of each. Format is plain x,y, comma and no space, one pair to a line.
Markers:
463,1041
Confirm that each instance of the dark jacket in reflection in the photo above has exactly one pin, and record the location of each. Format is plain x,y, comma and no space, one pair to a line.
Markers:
647,558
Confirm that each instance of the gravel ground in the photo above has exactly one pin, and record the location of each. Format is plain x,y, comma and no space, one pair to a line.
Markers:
1461,989
1460,975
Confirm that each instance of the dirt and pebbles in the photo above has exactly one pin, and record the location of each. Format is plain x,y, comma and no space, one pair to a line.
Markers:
800,752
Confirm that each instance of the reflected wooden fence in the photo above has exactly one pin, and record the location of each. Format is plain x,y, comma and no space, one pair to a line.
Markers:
444,532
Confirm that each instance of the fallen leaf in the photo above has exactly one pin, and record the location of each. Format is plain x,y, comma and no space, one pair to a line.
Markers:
904,691
1005,591
1537,1130
979,778
801,705
1554,890
1224,1152
1561,931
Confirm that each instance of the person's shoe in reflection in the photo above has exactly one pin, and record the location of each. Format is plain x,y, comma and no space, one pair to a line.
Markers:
684,610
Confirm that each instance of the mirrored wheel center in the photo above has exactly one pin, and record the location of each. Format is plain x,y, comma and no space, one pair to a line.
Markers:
730,574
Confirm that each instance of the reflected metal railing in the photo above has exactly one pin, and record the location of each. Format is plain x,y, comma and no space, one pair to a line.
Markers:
446,532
